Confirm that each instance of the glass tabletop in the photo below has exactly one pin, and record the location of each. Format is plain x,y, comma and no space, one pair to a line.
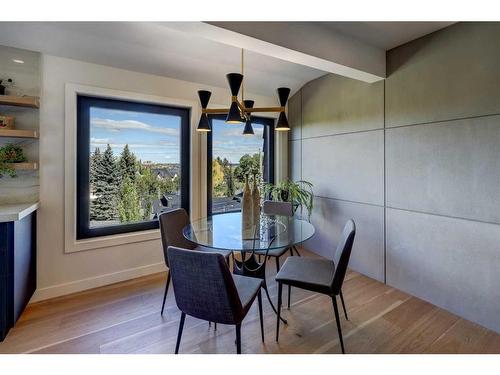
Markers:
225,232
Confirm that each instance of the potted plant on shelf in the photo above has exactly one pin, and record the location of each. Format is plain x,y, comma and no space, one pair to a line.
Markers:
10,154
300,193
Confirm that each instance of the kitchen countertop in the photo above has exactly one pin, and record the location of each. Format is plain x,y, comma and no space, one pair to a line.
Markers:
16,211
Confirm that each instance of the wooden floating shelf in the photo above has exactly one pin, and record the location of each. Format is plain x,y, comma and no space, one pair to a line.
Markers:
18,133
20,101
25,166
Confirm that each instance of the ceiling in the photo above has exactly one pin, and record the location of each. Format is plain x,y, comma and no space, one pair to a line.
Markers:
386,35
156,49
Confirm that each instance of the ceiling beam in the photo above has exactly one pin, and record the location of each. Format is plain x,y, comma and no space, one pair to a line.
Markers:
304,43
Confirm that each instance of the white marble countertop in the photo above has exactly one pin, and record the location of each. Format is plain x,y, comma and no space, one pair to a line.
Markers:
16,211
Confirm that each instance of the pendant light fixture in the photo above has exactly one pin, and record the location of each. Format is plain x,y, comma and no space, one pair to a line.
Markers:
248,130
282,124
204,124
239,112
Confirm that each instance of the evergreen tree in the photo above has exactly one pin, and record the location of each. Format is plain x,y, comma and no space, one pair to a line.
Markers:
95,160
105,187
127,165
129,208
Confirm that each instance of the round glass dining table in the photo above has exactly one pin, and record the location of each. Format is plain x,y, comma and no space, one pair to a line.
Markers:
228,231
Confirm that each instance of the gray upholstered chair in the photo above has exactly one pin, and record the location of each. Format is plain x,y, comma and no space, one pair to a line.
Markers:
205,289
171,225
320,275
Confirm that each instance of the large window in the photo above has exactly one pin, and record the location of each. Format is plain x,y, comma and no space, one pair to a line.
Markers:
132,164
232,156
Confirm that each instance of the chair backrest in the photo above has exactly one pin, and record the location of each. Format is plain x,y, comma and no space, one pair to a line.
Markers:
203,286
342,255
171,225
277,208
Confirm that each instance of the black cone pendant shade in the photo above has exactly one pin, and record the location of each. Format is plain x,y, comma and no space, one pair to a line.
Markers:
282,125
234,114
234,80
204,98
204,124
248,124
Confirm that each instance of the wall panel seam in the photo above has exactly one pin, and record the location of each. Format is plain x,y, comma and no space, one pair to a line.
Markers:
445,120
445,216
385,190
349,201
339,134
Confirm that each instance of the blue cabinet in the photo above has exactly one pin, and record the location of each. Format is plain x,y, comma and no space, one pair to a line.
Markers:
17,269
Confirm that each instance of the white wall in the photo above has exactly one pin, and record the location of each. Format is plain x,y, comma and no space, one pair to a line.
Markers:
23,188
59,272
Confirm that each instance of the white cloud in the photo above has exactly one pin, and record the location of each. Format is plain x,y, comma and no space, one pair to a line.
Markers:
119,125
103,142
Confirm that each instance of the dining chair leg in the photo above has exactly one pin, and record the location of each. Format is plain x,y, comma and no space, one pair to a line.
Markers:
271,302
291,251
289,295
165,294
238,338
179,334
215,326
337,319
277,264
343,305
280,290
259,299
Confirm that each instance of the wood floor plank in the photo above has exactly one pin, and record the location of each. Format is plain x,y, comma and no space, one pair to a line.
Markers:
125,318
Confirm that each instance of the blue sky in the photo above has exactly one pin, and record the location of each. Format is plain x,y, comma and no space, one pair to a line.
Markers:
156,138
230,143
151,137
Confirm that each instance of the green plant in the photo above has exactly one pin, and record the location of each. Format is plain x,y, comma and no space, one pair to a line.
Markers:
9,154
300,193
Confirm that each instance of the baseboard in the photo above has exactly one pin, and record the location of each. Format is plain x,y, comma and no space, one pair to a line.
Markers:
94,282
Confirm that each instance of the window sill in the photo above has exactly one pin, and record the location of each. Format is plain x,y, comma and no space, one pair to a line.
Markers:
72,245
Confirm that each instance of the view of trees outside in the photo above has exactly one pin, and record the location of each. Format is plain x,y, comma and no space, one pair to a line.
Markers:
234,157
127,186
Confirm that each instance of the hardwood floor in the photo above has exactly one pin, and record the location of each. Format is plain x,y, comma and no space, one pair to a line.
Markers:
125,318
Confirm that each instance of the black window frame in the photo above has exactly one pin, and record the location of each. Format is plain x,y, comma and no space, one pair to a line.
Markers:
269,124
84,102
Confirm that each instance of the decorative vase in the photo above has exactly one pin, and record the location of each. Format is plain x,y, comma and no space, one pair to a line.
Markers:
247,211
256,201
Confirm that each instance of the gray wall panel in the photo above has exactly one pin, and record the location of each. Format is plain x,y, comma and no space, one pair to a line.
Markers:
333,104
452,263
447,163
348,166
449,74
295,116
329,217
295,158
450,168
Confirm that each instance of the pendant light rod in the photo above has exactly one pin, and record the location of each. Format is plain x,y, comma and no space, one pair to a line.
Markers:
242,73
